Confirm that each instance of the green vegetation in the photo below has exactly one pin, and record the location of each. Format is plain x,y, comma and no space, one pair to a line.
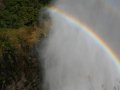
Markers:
20,32
20,13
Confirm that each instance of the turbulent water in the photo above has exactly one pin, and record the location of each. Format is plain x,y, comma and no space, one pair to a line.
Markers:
74,61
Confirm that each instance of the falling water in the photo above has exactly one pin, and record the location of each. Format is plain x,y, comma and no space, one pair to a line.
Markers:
74,61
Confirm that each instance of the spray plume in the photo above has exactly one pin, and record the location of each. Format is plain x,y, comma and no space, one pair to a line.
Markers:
74,61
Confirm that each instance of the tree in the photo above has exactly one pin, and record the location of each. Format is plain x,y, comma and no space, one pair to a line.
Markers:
19,13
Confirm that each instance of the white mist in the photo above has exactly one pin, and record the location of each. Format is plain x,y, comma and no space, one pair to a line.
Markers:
74,61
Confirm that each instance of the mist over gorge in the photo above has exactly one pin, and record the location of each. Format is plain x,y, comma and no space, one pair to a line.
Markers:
74,60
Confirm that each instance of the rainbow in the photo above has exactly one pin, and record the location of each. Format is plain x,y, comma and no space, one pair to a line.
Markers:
90,33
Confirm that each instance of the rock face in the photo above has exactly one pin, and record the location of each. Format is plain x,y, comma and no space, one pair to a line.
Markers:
20,68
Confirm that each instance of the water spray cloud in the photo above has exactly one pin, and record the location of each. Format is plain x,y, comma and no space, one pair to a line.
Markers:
76,58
